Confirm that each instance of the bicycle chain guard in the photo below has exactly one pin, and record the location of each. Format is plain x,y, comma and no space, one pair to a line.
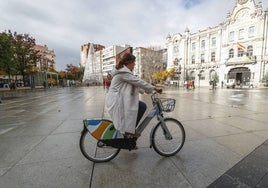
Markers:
121,143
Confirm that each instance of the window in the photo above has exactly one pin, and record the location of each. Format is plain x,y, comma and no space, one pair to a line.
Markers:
213,75
202,58
192,75
202,75
213,42
241,34
193,46
193,59
212,56
231,53
176,48
231,36
251,31
250,51
240,53
203,44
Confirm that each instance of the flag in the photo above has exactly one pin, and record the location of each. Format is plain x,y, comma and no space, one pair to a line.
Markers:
240,47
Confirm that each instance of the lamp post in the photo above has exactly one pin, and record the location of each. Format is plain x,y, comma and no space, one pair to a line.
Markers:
179,73
199,75
177,70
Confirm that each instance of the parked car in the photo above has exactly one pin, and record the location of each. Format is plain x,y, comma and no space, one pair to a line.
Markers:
2,85
231,83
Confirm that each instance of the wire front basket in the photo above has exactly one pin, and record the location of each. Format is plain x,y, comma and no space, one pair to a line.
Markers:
167,105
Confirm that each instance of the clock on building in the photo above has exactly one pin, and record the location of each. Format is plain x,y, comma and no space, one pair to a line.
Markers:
241,2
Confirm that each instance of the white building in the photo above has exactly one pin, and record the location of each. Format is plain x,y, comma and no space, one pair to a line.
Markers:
236,49
98,60
91,59
109,57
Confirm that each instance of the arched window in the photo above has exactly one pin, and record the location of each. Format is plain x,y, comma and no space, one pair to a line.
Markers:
250,51
231,53
192,75
193,59
202,75
240,53
213,75
213,57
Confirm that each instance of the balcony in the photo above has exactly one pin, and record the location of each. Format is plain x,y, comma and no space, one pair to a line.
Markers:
240,60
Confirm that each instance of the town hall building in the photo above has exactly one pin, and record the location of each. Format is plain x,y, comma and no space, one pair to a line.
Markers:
234,51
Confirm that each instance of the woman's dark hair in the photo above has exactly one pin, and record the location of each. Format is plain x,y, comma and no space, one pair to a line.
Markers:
126,59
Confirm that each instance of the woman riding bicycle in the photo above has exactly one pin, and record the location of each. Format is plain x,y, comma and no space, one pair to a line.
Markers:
122,99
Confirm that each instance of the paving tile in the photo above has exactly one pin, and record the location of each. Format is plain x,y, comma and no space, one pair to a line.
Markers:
15,148
263,182
244,123
70,172
250,170
215,128
54,147
227,181
140,168
242,144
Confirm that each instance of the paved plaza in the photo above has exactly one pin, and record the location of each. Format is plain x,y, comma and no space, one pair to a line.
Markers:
226,141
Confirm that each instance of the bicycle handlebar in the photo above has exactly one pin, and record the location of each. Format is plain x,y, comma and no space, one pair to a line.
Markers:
156,90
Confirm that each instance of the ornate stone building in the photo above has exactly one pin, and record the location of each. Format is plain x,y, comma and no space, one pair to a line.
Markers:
47,58
236,50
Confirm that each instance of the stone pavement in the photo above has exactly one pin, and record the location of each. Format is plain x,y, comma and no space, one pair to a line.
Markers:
249,172
226,141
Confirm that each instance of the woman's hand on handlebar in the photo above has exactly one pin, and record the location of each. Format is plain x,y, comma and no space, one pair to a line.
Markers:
158,90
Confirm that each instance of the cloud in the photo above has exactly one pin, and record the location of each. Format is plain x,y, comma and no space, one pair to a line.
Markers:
190,3
65,25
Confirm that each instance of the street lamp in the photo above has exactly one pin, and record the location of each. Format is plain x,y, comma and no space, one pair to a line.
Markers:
179,73
199,75
177,70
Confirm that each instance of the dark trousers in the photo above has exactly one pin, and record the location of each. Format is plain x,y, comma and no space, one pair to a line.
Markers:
142,109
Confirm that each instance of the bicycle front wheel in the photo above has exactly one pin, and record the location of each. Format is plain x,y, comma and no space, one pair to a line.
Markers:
168,145
94,150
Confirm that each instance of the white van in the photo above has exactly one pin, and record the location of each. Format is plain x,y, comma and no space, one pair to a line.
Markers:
230,83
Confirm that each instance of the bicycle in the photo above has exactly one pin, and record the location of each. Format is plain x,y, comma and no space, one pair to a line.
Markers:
101,142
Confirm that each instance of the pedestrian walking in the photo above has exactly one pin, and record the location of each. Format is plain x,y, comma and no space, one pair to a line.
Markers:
193,84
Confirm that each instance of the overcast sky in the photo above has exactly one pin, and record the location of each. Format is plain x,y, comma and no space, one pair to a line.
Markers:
64,25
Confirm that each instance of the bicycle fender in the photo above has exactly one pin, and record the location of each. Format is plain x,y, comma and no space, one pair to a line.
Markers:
102,129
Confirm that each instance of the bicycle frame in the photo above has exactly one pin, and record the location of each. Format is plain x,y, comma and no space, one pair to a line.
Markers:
104,130
155,111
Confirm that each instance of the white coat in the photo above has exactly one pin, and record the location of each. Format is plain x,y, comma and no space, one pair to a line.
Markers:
122,99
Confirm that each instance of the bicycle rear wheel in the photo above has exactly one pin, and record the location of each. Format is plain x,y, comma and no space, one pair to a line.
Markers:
168,146
94,150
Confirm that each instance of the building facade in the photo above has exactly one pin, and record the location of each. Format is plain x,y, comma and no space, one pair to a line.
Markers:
236,50
109,57
47,58
91,60
148,61
98,60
